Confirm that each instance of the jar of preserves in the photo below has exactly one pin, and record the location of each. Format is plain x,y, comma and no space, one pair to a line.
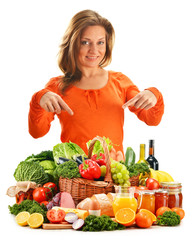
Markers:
161,198
146,200
175,193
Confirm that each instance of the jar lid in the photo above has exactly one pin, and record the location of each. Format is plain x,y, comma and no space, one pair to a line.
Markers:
161,191
170,185
147,192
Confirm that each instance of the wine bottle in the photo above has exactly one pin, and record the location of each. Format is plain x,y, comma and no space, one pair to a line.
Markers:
151,159
142,155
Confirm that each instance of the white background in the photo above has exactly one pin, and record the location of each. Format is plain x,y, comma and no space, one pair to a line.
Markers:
153,48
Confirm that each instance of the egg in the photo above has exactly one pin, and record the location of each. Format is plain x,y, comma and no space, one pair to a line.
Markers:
94,208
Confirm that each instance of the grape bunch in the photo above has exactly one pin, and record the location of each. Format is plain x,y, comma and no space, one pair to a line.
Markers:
120,174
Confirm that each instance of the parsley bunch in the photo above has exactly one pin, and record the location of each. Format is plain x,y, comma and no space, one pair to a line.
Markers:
168,218
101,223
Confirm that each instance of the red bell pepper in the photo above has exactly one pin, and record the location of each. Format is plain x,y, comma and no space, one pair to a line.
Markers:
89,169
21,196
99,158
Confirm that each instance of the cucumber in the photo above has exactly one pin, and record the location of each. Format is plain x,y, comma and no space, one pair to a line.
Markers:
129,157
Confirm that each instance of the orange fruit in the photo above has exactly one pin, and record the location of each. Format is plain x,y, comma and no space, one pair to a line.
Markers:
179,211
150,213
161,210
143,219
125,216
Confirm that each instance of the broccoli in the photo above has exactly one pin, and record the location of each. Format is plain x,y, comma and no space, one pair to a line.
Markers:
168,218
101,223
67,169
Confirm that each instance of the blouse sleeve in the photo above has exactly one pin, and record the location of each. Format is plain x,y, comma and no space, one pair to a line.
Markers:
39,120
152,116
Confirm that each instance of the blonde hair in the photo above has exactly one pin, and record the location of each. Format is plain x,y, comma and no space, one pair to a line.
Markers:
71,43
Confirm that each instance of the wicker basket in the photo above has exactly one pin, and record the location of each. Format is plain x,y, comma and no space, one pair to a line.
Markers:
134,181
81,188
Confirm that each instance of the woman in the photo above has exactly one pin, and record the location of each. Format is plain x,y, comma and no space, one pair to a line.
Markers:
88,100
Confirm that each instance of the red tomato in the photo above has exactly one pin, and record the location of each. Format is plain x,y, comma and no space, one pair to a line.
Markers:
152,183
56,216
140,188
40,194
44,202
51,189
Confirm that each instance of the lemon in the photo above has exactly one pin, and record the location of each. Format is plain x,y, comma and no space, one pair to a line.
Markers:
22,218
35,220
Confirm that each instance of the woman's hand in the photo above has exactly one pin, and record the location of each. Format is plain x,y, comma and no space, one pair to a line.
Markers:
143,100
52,102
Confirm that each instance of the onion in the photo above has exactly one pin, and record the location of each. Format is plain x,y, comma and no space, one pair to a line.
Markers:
78,224
71,217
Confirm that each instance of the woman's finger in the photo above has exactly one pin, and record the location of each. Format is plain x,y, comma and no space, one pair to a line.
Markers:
65,107
50,107
56,106
148,106
131,102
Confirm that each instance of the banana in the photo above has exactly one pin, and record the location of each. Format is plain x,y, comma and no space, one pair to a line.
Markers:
164,176
160,176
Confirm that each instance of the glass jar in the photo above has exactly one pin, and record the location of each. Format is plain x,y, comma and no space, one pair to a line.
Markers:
175,193
161,198
146,200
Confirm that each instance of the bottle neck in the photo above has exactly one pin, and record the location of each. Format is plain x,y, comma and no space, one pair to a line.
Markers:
151,147
142,152
151,151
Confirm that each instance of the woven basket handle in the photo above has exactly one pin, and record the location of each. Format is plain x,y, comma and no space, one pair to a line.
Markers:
106,152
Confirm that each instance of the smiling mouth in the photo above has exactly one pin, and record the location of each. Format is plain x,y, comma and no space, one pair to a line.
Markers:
92,57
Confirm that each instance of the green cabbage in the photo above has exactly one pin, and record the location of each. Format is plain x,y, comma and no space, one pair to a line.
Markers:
48,164
67,150
49,167
31,171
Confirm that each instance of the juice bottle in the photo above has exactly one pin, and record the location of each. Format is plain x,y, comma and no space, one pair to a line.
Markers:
124,199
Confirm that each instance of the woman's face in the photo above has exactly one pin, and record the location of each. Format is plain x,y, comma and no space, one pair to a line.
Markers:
92,46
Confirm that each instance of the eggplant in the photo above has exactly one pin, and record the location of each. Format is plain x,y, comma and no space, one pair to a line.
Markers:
79,159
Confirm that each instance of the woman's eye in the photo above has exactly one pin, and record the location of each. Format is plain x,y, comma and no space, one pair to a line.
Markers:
101,42
84,42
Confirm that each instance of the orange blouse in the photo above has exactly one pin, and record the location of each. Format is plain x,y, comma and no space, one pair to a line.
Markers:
96,112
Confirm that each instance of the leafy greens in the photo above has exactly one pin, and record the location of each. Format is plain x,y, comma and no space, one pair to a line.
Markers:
67,150
31,171
97,149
